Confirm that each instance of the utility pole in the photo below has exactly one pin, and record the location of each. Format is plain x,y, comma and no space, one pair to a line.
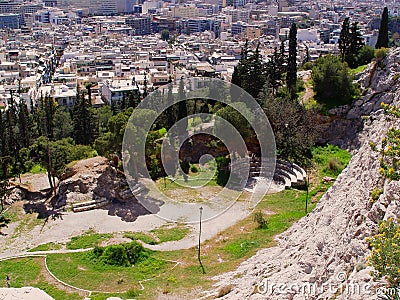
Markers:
199,249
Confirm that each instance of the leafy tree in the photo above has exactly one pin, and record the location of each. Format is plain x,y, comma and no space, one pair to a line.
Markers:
291,75
333,83
293,126
365,55
63,125
238,120
383,36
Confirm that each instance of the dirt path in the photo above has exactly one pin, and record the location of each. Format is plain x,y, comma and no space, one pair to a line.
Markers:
309,93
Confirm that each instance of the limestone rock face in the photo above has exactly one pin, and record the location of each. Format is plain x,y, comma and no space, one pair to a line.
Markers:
93,179
324,253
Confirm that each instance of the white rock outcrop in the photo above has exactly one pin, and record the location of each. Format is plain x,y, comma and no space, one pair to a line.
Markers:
324,254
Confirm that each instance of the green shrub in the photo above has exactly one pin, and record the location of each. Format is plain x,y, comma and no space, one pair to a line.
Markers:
380,54
260,219
223,171
134,252
115,255
194,169
120,255
375,194
333,83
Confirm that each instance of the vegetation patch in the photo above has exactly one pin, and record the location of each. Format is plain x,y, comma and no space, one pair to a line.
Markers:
87,240
46,247
163,234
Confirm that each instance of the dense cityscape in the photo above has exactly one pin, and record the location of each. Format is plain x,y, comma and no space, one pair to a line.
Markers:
55,46
200,149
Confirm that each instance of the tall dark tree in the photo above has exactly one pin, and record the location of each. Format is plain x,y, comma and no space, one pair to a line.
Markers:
3,145
356,44
255,78
275,68
383,36
182,109
83,121
291,75
133,98
24,125
239,70
344,39
171,112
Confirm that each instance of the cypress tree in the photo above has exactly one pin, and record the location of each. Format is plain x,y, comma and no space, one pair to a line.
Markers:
291,75
83,123
24,125
344,39
383,36
182,109
255,78
171,108
356,43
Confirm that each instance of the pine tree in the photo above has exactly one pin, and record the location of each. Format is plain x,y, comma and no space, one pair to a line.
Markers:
383,36
291,75
344,39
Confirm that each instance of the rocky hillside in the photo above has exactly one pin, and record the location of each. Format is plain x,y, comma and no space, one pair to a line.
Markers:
323,255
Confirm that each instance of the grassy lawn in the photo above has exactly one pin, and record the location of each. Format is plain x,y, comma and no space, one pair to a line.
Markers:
81,271
46,247
163,234
87,240
27,272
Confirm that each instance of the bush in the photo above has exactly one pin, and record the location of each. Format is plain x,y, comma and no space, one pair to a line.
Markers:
134,252
365,55
333,84
260,219
120,255
194,169
380,54
375,194
115,255
335,166
223,171
385,254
